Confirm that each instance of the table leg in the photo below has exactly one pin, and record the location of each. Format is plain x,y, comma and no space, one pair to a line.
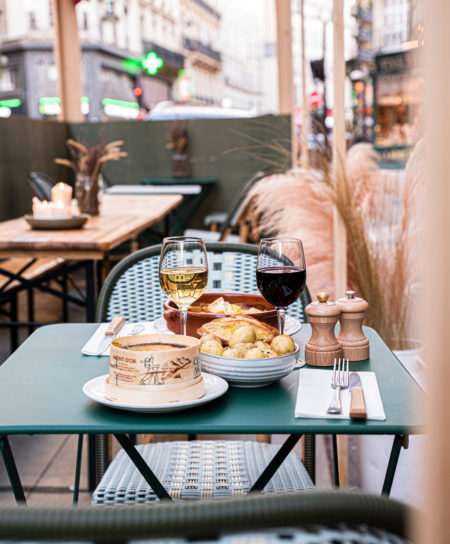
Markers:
76,486
399,441
142,466
274,465
167,221
14,328
91,294
11,469
335,460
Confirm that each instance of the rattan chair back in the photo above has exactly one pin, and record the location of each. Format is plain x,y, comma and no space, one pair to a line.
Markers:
132,287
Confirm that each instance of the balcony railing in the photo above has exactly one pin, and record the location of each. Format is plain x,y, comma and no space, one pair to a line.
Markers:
208,8
169,57
361,13
195,45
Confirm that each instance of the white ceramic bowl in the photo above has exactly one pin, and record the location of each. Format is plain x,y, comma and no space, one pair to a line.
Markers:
250,372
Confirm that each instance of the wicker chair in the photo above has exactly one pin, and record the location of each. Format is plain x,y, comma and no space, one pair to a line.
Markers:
132,290
222,224
41,185
311,517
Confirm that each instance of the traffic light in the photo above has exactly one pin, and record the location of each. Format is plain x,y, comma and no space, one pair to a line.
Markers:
137,91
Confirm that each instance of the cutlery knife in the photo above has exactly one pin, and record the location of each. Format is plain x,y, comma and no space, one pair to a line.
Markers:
111,332
357,403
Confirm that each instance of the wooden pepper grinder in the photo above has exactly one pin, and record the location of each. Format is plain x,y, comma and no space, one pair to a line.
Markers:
355,345
322,348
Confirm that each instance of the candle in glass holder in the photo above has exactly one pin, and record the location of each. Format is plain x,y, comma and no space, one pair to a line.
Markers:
61,192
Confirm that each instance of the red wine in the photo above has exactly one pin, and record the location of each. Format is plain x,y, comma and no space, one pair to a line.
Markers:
281,286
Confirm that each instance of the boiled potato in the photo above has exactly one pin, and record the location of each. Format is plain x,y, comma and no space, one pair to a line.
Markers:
243,335
208,337
269,353
254,353
233,353
244,347
283,344
262,345
212,347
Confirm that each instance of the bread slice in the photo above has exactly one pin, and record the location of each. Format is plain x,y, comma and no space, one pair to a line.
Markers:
224,327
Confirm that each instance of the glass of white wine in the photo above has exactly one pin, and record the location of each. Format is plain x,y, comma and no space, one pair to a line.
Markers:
183,272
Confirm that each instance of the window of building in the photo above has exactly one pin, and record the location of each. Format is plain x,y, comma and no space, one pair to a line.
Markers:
32,21
109,8
85,25
50,12
8,79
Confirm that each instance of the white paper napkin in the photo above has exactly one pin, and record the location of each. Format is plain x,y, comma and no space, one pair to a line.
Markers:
314,395
90,348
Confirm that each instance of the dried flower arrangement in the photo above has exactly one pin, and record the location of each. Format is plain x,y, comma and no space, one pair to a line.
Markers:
380,217
178,142
87,163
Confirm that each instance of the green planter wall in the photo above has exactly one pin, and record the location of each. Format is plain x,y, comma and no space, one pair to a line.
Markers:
27,145
229,149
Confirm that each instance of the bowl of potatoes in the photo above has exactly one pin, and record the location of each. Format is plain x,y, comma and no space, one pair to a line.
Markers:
248,358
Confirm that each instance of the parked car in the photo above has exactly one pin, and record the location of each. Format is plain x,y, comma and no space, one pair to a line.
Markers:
169,111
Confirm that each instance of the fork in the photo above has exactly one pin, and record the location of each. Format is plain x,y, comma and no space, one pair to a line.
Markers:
339,380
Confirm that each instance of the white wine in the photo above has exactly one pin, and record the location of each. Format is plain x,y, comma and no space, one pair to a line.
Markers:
184,285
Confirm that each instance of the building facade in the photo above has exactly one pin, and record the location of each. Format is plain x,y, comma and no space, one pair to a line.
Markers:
136,53
397,80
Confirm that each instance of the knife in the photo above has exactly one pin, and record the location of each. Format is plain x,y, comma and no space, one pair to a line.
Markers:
357,403
111,332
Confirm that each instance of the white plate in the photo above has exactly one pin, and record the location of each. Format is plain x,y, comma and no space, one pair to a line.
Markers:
291,325
214,387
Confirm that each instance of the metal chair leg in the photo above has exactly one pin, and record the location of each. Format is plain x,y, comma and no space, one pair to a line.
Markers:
335,460
310,455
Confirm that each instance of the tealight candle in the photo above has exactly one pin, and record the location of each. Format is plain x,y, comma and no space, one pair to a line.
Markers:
61,192
41,210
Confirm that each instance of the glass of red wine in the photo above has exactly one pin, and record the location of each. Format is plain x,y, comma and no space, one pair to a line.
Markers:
281,273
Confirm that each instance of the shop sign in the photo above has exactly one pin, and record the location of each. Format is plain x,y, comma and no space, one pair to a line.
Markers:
51,105
185,86
120,108
397,62
152,63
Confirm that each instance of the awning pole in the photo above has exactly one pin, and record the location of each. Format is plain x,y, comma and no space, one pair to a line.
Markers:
285,72
68,60
339,149
305,112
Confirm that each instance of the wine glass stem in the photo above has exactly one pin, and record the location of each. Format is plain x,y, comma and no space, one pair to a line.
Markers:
183,319
281,314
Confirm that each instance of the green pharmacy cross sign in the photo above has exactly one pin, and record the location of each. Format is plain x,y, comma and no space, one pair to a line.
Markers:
152,63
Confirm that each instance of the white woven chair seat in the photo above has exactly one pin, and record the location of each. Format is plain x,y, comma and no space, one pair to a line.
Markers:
198,470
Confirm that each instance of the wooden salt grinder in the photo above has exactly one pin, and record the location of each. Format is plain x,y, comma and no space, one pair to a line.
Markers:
322,348
355,345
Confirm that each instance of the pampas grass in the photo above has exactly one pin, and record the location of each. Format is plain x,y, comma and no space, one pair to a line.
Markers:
378,209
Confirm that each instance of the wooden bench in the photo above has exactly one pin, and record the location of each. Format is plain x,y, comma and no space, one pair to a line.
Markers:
15,277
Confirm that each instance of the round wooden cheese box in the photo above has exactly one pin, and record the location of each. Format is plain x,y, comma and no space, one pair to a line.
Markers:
154,369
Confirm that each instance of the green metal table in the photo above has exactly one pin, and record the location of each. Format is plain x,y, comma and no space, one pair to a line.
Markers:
41,391
189,205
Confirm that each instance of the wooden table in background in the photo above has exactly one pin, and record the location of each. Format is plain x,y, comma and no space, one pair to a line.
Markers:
121,219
